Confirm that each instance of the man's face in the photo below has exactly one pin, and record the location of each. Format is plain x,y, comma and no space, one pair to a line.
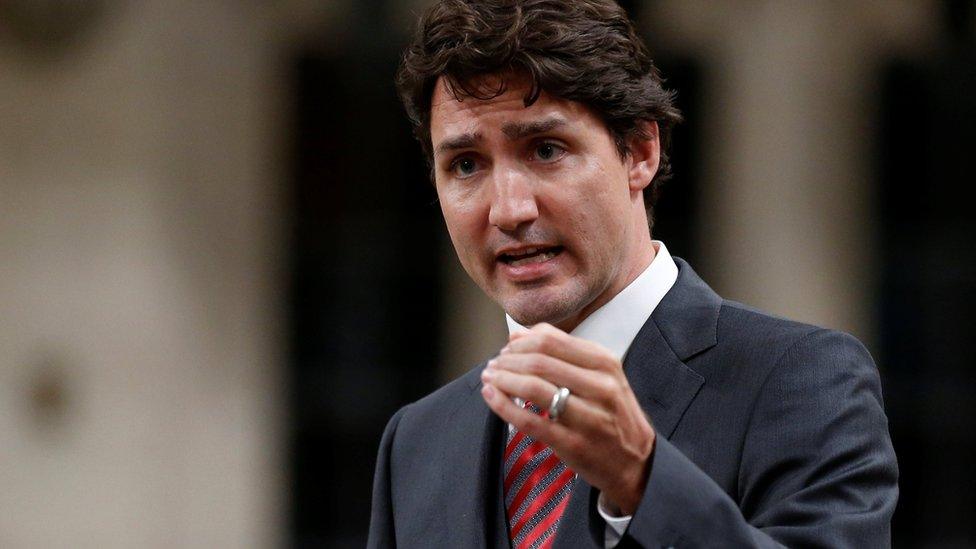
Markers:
544,214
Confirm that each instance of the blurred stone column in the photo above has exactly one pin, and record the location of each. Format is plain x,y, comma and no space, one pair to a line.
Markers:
788,128
141,253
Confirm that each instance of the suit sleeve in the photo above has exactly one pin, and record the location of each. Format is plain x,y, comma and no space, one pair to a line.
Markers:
382,532
817,468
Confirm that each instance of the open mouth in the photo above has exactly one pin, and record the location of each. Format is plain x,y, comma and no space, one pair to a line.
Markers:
529,256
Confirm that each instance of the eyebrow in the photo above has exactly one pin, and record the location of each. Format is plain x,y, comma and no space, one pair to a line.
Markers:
521,130
463,141
513,130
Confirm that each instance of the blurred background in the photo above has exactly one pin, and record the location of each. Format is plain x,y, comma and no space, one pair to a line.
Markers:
222,267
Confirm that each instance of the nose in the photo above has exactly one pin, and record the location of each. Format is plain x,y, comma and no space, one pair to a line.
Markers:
513,202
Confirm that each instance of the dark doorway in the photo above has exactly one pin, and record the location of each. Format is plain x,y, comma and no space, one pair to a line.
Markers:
927,290
365,287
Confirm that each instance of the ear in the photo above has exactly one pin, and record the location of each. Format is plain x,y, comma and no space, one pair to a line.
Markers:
644,156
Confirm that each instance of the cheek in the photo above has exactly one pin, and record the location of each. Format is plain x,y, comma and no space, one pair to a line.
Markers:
600,200
463,226
596,214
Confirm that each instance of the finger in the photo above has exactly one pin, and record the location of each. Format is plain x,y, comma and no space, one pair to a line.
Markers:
527,387
512,337
524,419
571,442
579,414
585,383
549,340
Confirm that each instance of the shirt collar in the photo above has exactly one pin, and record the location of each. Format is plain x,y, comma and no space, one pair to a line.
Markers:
615,324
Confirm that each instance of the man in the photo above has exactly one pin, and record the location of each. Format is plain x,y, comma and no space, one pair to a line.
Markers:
631,405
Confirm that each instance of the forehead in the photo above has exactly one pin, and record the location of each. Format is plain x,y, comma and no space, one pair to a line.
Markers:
450,116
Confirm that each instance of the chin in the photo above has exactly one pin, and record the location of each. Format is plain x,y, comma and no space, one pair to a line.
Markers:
529,310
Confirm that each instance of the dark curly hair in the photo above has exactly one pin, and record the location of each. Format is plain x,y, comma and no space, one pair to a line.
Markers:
582,50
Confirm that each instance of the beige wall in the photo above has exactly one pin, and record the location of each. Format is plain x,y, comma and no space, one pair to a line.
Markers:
789,119
141,375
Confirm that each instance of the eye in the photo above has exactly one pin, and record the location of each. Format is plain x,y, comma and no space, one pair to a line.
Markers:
547,151
464,166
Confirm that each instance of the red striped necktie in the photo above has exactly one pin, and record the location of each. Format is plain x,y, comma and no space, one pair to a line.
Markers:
537,488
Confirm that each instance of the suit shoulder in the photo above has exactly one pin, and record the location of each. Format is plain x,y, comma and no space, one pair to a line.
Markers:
446,398
744,325
761,338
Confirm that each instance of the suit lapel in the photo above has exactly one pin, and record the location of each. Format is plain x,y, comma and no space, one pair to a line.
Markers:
664,385
495,504
478,499
683,325
687,317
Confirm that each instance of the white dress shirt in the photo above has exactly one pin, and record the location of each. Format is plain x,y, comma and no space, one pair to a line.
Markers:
615,325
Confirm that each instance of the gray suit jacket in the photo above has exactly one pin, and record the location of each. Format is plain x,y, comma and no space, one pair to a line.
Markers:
769,431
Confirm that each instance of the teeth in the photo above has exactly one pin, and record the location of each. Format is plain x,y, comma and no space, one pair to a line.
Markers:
535,258
528,251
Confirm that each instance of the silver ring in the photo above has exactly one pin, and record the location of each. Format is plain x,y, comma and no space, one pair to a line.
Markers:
558,405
